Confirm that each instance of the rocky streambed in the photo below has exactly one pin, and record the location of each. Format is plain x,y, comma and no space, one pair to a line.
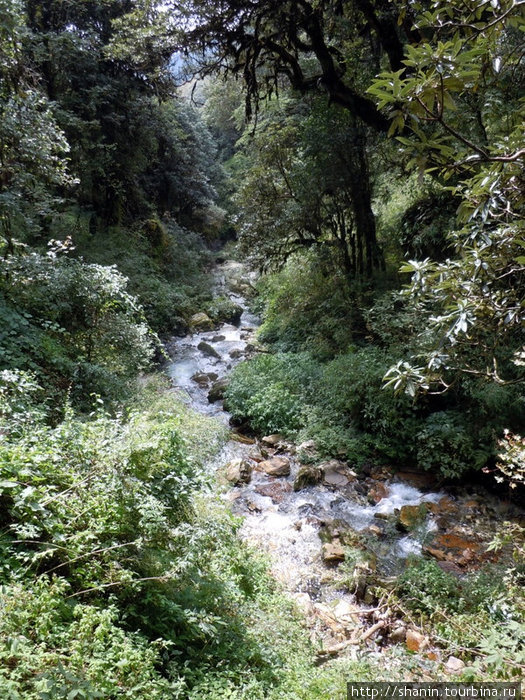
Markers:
336,539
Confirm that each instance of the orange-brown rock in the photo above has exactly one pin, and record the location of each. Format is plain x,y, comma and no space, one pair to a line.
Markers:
415,641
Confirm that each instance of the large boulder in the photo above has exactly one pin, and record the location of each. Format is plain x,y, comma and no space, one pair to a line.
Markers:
276,466
239,471
201,321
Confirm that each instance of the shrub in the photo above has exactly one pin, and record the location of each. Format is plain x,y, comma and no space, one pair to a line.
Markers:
271,391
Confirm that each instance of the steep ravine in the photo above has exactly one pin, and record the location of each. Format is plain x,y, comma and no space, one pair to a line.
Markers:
332,541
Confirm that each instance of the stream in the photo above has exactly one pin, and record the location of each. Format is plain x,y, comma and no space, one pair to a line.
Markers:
383,518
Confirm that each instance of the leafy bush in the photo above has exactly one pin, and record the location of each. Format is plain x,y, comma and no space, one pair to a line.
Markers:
445,445
426,588
73,323
270,391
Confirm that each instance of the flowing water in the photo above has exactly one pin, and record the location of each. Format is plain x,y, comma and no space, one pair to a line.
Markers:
283,522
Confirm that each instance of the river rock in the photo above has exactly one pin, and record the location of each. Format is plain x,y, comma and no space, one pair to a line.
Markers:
272,440
276,466
216,393
361,579
451,547
239,471
235,354
336,473
208,349
218,338
333,552
376,530
377,493
308,475
420,480
201,321
277,490
411,516
201,379
255,454
243,439
307,447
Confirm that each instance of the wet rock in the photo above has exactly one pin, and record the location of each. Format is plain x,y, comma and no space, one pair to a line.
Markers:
304,603
201,379
235,354
445,505
272,440
201,321
307,451
454,665
308,475
346,613
243,439
276,466
208,349
277,490
333,552
216,393
415,641
218,338
377,493
239,471
341,531
411,516
255,454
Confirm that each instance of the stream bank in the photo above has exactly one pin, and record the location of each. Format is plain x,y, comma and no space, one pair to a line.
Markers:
336,539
